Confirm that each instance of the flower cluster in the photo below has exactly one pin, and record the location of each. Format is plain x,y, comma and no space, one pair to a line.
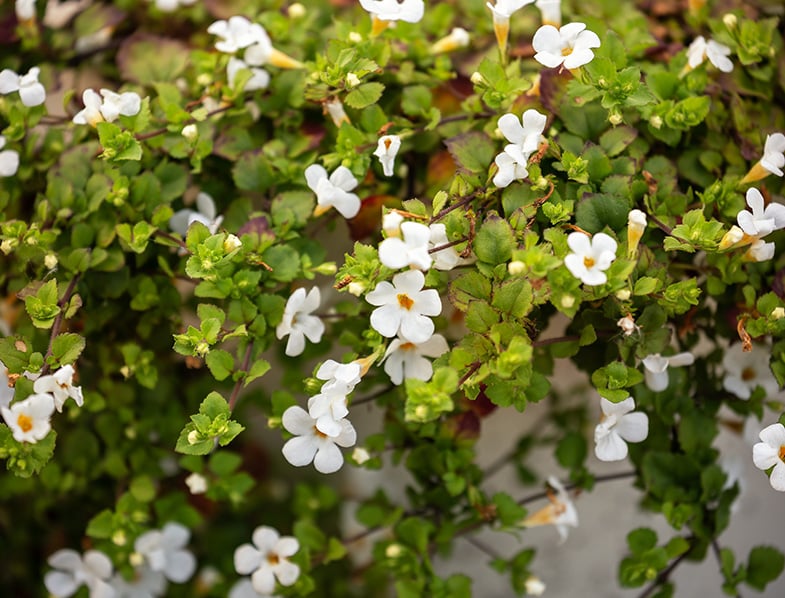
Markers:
753,226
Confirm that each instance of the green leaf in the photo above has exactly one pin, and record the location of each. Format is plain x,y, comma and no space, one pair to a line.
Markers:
473,151
258,369
148,59
67,347
642,539
509,512
364,95
494,241
42,307
221,364
596,211
765,564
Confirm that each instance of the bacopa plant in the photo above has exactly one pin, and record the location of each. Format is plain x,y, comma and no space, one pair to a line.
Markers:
226,226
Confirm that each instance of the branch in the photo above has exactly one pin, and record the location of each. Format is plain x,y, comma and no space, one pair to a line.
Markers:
239,384
662,578
58,323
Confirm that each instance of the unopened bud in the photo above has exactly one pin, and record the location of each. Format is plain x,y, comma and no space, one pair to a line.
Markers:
355,37
135,559
656,121
616,118
352,80
356,288
360,455
232,243
204,79
193,437
516,267
477,78
730,21
190,132
327,269
119,538
623,294
50,261
636,225
567,301
778,313
296,11
393,551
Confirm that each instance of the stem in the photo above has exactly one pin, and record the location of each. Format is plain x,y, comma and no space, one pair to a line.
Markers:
58,323
172,238
447,245
715,548
161,131
455,206
483,547
662,578
373,396
239,384
603,478
472,368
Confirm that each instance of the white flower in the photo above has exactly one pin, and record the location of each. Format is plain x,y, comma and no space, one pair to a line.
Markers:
526,133
504,9
404,359
61,386
268,559
260,78
410,11
72,571
6,389
457,38
237,33
25,10
560,512
569,45
29,419
386,151
636,225
333,191
164,551
512,166
759,251
391,223
343,376
591,257
760,222
107,109
716,52
9,160
446,258
617,426
550,11
60,13
628,325
334,108
31,92
172,5
656,368
412,250
404,307
244,589
309,444
744,371
181,220
771,453
773,158
328,409
196,483
534,586
145,584
298,322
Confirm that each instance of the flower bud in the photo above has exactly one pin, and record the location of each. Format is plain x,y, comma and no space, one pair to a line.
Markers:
352,80
615,118
516,267
393,551
656,121
534,586
355,37
636,225
190,132
119,538
356,288
458,38
477,78
567,301
627,325
360,455
730,21
193,437
327,268
232,243
135,559
296,11
204,79
196,483
623,294
731,238
778,313
50,261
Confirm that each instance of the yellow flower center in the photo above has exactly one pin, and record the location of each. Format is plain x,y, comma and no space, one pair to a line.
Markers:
273,559
566,51
405,301
782,453
588,262
748,374
407,346
319,433
24,422
387,143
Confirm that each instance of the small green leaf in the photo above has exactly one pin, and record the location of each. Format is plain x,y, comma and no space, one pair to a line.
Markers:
364,95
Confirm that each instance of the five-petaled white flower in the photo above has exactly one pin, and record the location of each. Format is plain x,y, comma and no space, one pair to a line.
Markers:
404,359
181,220
617,427
412,250
525,132
761,221
656,368
410,11
298,322
172,5
446,258
560,512
61,386
146,583
512,165
771,453
590,257
311,444
333,191
745,371
773,158
9,160
343,376
403,307
237,33
31,92
164,551
550,11
328,408
72,571
107,109
717,53
569,46
197,483
386,151
260,78
268,559
29,419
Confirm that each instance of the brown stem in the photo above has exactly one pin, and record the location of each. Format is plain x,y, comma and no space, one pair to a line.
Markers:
58,323
472,368
239,384
162,130
466,200
446,245
373,396
662,578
